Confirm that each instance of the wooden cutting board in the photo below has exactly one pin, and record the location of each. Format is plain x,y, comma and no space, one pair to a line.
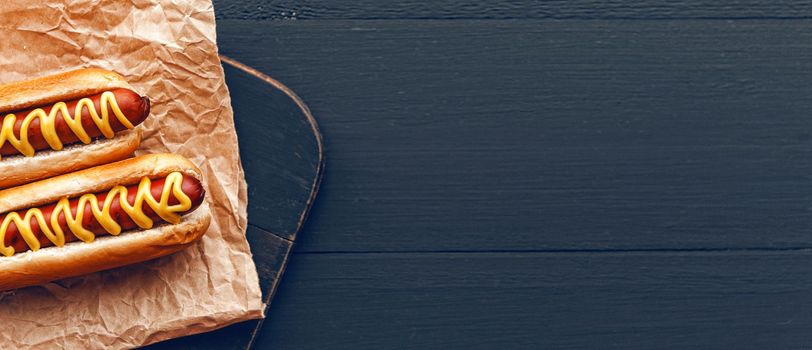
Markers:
282,153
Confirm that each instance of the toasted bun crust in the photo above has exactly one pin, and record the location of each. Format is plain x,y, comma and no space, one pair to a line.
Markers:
92,180
58,87
18,170
77,258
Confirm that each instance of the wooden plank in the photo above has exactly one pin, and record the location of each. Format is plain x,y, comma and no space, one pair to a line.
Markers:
510,9
525,135
724,300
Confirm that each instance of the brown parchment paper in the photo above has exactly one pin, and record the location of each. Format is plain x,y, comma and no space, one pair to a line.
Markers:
167,50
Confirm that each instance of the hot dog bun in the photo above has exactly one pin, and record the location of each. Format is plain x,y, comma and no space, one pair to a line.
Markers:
61,86
78,258
43,91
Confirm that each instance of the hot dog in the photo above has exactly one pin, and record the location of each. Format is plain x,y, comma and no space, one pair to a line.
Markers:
99,218
65,122
132,105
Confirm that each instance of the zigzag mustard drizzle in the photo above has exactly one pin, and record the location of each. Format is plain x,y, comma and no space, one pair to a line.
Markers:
55,234
48,123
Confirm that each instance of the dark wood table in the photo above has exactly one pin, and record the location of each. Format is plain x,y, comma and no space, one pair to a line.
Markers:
570,174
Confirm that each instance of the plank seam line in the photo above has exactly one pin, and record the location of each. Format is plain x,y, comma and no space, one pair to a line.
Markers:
564,251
